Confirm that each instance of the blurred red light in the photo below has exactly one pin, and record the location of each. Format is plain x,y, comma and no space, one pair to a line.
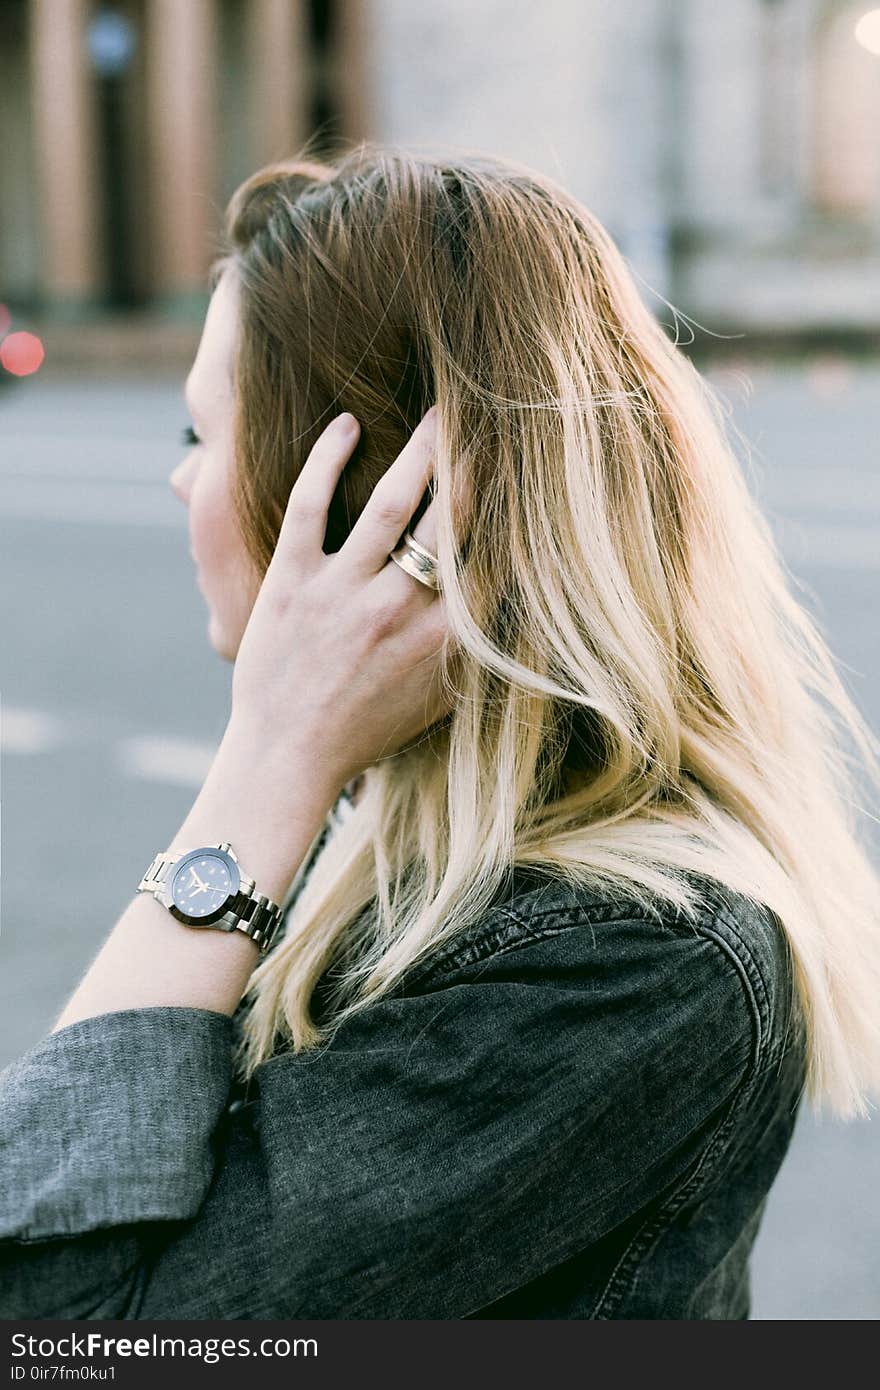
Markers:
22,353
5,320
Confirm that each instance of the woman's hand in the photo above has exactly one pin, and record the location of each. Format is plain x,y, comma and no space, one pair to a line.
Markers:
342,651
338,667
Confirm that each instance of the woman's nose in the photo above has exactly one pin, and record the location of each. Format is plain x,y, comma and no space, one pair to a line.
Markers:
181,480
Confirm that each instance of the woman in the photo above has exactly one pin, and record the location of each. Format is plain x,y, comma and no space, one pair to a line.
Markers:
532,1039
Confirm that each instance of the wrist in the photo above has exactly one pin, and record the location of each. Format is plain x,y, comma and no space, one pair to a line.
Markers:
280,768
268,802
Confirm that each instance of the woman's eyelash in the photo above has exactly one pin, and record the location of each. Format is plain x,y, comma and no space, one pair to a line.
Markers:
189,437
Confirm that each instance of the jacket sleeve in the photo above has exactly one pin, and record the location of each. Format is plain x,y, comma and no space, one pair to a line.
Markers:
446,1147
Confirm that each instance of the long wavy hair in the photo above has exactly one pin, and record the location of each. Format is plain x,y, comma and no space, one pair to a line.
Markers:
637,693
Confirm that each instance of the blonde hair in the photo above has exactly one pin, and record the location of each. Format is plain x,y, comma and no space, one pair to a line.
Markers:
638,695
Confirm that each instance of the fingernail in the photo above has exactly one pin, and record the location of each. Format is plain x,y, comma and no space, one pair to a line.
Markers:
345,423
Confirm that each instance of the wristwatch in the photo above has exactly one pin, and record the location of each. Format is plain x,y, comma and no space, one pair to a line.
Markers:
206,888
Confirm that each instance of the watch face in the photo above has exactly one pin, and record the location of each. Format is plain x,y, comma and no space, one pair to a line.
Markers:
203,884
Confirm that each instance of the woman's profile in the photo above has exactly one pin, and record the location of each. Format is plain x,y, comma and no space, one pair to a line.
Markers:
533,844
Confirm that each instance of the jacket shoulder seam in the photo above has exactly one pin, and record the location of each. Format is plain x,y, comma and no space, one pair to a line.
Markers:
506,931
742,959
510,932
754,985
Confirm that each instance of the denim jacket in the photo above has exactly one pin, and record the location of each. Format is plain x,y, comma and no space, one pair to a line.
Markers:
574,1109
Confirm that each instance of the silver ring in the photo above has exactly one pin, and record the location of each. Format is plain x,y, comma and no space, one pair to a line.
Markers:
416,561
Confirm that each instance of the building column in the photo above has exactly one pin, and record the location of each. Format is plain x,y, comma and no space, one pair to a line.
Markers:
182,119
353,63
65,132
278,78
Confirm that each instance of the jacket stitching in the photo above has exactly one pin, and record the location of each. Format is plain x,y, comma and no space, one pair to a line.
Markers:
756,987
623,1276
625,1272
504,938
754,990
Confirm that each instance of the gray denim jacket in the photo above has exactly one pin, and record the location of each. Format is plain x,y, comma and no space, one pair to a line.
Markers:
574,1110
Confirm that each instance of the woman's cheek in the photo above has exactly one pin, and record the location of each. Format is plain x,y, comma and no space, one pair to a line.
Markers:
226,576
210,516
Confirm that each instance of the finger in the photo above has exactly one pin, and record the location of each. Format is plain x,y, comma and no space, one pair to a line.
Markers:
425,529
425,532
394,582
391,504
301,537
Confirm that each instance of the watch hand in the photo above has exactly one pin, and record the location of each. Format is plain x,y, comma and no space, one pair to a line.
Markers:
203,887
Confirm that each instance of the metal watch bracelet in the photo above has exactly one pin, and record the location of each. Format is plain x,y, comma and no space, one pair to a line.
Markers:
249,912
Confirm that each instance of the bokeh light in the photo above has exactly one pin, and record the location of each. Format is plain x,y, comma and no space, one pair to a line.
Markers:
22,353
5,320
867,31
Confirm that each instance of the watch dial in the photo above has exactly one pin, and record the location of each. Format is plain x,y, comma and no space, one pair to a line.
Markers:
201,885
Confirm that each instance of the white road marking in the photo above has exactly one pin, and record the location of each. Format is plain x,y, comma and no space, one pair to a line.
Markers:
182,762
151,757
29,730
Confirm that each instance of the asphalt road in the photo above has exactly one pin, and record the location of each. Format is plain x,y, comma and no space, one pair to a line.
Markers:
112,701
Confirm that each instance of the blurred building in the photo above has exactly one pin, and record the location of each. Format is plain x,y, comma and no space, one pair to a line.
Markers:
732,149
126,125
